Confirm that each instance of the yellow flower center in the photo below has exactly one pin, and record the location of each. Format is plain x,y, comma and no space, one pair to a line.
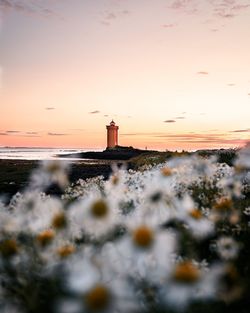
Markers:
143,237
223,204
45,237
231,272
8,247
186,272
59,221
65,251
53,166
115,179
98,298
196,214
239,168
99,209
166,171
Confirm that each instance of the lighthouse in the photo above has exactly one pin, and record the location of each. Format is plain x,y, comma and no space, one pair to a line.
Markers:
112,135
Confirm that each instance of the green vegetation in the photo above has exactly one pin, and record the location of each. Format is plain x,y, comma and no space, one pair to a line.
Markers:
150,158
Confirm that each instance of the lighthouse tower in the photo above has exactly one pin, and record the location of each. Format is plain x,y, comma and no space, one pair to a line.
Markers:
112,135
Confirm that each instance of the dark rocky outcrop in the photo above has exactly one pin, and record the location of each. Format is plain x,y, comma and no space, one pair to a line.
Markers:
117,153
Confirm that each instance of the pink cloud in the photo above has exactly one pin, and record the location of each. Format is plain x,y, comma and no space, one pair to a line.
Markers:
27,7
202,73
94,112
194,138
169,121
168,25
240,7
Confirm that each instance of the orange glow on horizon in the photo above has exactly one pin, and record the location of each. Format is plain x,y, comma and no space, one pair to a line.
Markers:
170,78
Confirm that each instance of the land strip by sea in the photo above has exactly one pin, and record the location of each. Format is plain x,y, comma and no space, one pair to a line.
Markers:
15,174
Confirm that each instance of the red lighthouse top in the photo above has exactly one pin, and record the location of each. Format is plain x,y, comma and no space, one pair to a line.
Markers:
112,125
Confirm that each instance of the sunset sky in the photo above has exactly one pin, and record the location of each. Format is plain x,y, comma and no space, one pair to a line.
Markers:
173,74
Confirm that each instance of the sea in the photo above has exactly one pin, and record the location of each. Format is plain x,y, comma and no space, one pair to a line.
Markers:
10,153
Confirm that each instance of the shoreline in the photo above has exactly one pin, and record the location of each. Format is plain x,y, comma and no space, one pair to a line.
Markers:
14,174
118,153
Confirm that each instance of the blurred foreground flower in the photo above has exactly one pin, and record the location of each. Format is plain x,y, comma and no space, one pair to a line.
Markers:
159,239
